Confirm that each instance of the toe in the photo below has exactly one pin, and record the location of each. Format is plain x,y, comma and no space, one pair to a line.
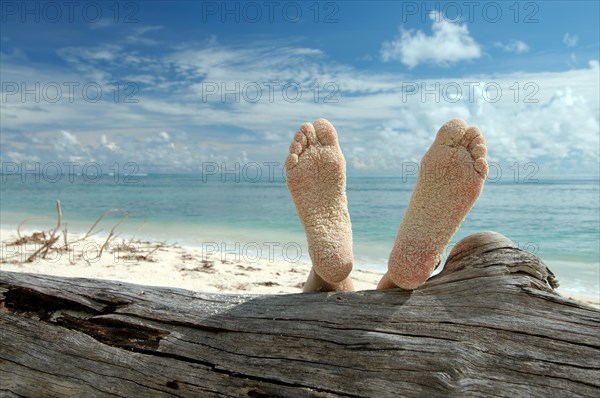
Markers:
326,134
301,139
479,151
475,142
291,161
296,148
471,135
452,132
481,166
309,132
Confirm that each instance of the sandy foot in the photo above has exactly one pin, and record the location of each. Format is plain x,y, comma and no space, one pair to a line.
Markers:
450,179
316,178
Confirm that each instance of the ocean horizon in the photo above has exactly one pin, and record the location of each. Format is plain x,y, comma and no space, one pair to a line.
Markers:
557,219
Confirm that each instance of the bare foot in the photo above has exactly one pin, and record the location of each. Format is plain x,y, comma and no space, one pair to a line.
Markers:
450,179
316,178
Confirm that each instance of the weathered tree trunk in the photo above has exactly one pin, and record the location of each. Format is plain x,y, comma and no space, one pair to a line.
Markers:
488,325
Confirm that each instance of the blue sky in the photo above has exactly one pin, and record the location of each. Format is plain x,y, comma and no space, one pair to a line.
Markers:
386,74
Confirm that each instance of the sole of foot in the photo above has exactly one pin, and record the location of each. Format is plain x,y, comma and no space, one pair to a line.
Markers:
316,179
451,177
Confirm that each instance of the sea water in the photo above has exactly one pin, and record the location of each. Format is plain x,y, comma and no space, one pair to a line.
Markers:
557,219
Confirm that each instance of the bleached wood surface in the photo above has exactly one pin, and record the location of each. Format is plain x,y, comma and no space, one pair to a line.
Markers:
488,325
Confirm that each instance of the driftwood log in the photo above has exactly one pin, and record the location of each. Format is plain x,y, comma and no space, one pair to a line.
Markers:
488,325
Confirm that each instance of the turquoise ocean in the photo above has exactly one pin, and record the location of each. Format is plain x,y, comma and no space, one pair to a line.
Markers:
558,219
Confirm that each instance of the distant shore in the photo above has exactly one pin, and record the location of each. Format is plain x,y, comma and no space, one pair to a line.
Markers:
162,264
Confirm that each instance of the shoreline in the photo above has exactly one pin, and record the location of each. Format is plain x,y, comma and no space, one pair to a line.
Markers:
156,263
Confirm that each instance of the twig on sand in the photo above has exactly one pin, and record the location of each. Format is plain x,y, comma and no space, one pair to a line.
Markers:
91,231
26,220
64,232
48,239
138,230
53,238
146,256
111,234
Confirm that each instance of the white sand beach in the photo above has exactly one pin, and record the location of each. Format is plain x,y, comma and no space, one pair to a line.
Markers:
160,264
155,263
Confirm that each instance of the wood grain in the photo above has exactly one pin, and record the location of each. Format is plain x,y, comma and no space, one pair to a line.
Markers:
489,324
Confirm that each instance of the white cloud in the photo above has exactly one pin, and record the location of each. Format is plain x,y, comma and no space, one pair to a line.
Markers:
449,43
102,24
570,39
104,142
513,46
138,35
173,129
165,136
141,30
69,139
96,64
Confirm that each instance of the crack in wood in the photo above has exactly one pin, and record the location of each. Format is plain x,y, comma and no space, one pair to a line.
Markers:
75,316
32,303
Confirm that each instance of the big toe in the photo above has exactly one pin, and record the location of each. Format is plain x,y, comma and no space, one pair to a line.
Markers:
325,132
452,132
309,132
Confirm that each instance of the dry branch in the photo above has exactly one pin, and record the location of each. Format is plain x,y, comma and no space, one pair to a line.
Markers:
91,231
47,243
138,230
52,239
112,231
26,220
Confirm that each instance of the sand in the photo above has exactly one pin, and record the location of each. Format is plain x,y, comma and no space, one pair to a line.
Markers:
162,264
